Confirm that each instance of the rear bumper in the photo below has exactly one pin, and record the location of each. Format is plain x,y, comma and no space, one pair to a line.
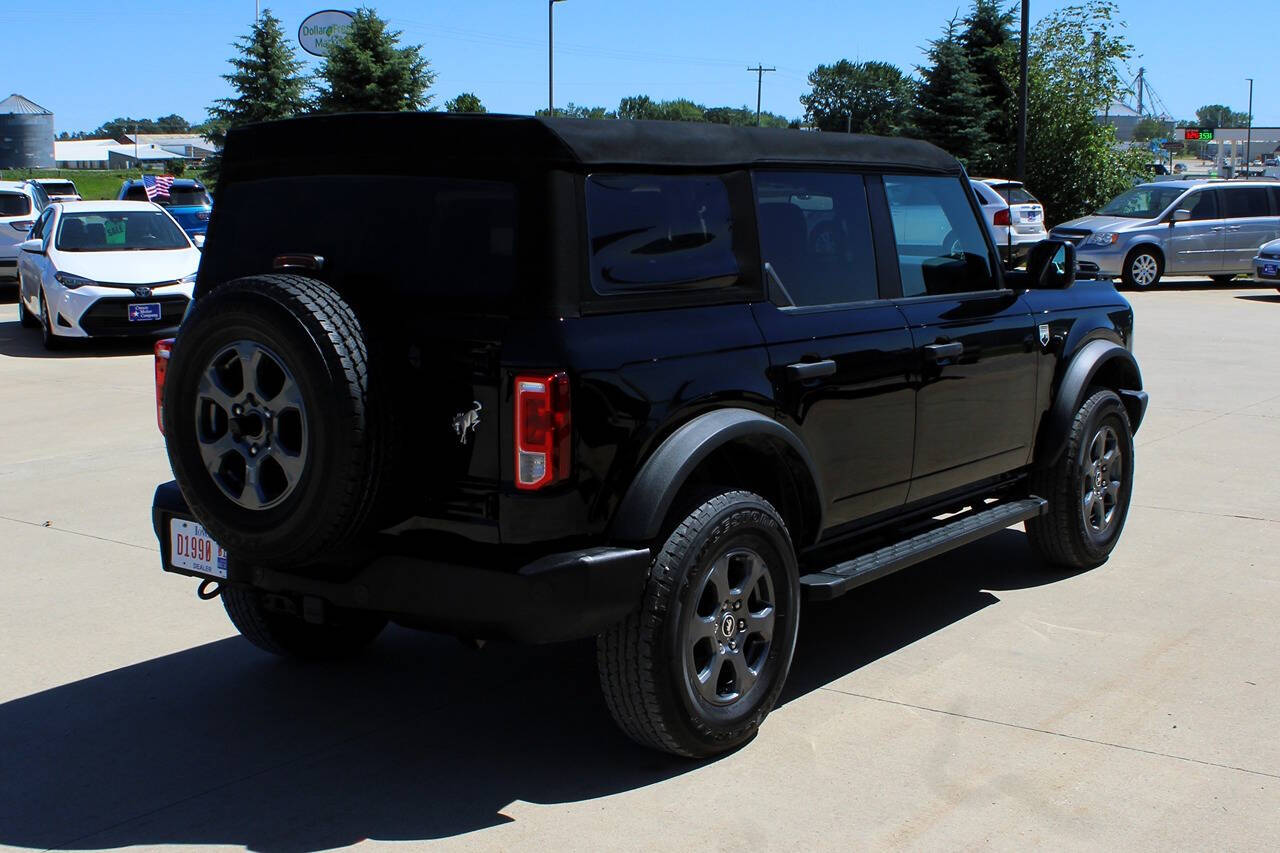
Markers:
562,596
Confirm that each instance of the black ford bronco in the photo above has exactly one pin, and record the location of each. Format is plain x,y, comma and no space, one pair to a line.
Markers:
656,383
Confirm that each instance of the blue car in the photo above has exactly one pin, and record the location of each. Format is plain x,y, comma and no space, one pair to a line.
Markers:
188,202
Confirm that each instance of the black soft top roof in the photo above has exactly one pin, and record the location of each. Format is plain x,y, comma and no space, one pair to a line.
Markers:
419,138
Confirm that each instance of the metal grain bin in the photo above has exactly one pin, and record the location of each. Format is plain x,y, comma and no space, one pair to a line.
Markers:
26,134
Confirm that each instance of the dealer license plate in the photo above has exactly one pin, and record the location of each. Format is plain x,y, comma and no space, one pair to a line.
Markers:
144,312
191,548
1271,270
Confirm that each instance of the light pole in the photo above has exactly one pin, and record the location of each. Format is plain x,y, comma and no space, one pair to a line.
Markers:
1020,167
551,107
1248,134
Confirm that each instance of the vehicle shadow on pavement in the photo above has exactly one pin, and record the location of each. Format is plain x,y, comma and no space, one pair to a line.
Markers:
1261,297
421,738
18,342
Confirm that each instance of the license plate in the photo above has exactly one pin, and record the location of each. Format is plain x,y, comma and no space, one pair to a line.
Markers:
1033,214
191,548
144,312
1271,270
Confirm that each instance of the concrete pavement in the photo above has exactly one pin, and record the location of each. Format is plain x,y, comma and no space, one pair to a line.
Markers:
973,701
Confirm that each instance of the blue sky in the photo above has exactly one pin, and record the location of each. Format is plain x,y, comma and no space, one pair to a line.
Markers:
93,60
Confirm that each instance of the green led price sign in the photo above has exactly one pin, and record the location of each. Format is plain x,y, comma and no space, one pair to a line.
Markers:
1199,134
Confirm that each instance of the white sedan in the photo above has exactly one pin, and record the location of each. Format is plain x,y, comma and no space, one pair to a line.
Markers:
105,269
1013,215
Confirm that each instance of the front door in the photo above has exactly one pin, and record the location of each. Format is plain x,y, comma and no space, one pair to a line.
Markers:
1195,246
839,353
976,345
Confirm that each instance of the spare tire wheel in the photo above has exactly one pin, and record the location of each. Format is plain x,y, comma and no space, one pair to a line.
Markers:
270,426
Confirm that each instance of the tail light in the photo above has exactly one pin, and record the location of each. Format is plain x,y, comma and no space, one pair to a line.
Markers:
1001,217
163,350
543,429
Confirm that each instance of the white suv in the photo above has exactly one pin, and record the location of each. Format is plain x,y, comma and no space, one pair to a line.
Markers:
1013,215
20,204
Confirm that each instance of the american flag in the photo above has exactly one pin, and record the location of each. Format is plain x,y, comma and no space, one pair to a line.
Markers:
157,186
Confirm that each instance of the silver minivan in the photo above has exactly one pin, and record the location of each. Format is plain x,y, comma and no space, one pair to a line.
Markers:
1209,228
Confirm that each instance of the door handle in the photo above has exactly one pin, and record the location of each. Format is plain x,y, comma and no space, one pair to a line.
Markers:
938,352
1218,228
803,370
1235,227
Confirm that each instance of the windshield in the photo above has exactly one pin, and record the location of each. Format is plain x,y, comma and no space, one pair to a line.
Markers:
14,204
119,231
59,188
1142,202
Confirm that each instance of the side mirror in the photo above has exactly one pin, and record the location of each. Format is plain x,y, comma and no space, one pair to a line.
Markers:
1179,215
35,247
1051,265
198,239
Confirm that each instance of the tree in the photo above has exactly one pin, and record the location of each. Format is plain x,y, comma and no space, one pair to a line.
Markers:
991,47
467,102
1149,128
1218,115
1073,162
266,78
951,111
744,116
572,110
864,97
367,71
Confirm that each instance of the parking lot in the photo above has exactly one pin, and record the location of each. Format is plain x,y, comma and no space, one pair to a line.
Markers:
973,701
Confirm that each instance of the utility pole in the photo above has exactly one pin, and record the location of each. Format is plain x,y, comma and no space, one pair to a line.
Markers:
1248,137
1141,72
759,69
1021,166
551,107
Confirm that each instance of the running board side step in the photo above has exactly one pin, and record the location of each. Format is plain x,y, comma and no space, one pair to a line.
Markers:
839,579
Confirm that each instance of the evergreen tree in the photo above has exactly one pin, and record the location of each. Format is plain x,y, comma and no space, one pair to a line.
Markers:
951,111
992,49
367,70
267,80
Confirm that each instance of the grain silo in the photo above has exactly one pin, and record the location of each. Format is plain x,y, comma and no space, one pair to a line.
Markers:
26,134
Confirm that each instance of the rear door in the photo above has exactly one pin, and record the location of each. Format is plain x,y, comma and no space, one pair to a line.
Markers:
839,352
975,344
1249,223
1195,246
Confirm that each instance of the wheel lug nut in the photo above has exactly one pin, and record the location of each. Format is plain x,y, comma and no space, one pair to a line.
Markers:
733,644
253,451
722,648
737,605
742,624
237,411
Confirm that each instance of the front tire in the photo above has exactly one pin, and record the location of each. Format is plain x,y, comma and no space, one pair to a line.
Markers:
696,669
288,636
1142,269
1088,488
50,341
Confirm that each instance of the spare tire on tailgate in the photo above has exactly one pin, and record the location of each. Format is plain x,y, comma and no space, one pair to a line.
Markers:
268,417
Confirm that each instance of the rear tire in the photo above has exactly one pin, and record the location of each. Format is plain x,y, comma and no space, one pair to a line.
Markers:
698,666
1142,268
288,636
273,434
1088,488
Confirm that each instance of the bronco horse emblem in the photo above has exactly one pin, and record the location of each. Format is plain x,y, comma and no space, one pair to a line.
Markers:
465,423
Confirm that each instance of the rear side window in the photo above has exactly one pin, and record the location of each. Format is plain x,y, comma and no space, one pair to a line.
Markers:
815,233
659,232
135,193
14,204
1246,202
60,188
1015,194
941,245
187,197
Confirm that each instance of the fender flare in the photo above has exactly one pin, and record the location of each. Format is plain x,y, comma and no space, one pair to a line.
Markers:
1088,361
648,499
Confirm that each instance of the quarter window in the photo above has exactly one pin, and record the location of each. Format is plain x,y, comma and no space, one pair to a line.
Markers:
659,232
815,234
941,244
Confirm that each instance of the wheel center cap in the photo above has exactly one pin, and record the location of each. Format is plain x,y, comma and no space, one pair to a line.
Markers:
728,625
